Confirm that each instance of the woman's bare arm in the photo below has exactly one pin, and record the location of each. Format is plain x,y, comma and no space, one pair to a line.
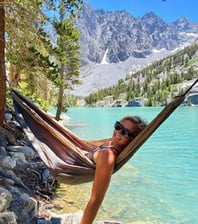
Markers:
104,166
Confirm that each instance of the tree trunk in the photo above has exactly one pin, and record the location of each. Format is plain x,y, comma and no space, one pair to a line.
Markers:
60,104
2,63
60,96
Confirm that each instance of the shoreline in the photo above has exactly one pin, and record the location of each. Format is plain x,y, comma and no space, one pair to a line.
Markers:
27,188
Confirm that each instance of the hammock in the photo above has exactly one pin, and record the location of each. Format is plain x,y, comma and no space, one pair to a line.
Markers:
63,152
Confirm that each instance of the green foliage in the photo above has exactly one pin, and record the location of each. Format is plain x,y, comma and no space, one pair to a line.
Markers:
69,101
66,53
39,61
156,82
36,98
9,101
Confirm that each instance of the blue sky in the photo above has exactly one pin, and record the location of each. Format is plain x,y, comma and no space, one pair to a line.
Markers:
168,10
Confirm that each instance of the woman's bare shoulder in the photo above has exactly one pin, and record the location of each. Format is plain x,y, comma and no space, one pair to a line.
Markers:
107,156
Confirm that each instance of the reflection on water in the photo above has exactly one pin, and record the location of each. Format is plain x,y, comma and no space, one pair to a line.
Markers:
158,185
71,198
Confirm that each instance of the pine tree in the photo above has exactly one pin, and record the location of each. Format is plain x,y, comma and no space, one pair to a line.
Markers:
67,50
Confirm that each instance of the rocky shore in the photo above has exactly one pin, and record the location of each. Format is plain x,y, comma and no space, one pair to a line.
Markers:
27,188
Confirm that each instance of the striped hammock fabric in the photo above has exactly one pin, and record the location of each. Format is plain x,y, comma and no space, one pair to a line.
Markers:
63,152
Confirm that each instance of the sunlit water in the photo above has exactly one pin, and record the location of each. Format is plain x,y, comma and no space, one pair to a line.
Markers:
160,182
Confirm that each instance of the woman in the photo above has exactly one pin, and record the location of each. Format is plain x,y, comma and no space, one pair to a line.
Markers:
104,157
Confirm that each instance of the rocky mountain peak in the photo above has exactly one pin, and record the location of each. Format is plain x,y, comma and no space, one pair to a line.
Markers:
150,16
119,36
114,44
185,25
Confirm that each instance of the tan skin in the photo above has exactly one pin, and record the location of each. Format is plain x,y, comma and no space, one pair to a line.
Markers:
105,161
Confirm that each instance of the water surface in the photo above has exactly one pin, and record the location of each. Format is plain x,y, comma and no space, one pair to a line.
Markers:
160,182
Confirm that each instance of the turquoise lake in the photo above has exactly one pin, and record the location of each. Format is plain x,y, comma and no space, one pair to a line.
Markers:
160,182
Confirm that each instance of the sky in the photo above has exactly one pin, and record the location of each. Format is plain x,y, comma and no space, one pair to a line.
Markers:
168,10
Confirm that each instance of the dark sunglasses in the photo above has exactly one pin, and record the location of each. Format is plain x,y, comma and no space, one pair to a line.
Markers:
125,132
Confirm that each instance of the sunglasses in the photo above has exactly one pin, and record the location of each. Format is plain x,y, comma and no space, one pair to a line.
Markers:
125,132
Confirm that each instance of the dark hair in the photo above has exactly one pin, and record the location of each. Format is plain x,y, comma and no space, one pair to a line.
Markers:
140,123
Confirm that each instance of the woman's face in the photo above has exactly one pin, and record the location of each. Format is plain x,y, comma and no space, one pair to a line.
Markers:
124,132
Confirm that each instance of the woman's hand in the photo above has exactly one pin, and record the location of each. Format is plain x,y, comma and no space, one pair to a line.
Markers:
105,161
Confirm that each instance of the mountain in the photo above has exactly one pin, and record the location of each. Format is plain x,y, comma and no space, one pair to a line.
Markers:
114,44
